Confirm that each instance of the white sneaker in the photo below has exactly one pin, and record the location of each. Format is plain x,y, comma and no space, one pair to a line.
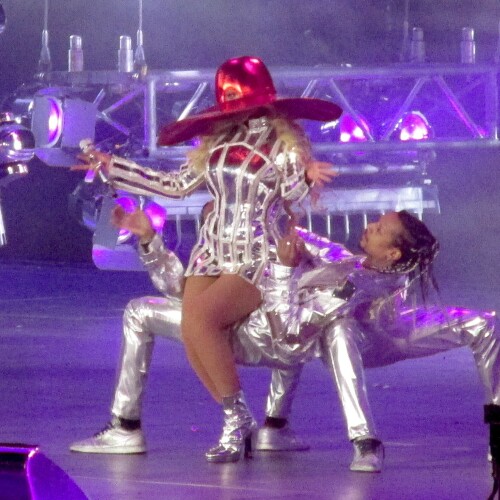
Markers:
112,439
368,455
284,439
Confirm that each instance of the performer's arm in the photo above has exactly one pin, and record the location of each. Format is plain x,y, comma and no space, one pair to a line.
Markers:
129,176
294,184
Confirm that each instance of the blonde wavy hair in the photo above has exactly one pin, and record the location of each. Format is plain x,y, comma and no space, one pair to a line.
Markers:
287,131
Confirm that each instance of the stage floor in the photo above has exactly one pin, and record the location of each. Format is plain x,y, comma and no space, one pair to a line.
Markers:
60,336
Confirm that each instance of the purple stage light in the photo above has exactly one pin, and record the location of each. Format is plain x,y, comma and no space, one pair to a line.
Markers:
157,215
352,130
414,127
55,121
127,203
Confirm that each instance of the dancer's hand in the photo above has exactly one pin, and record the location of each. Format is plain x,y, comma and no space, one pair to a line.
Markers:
291,249
137,222
319,173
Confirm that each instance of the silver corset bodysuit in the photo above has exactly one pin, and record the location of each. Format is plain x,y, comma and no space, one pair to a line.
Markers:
250,171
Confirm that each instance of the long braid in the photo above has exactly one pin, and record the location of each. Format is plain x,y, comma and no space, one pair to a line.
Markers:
418,250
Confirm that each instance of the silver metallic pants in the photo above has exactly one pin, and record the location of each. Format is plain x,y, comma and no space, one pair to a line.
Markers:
146,317
143,319
347,350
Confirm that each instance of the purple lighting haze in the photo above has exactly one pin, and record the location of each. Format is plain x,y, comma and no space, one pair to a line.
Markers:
157,215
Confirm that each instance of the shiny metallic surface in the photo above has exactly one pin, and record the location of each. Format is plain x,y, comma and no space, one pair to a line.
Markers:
239,425
16,143
375,330
249,173
358,333
143,319
429,411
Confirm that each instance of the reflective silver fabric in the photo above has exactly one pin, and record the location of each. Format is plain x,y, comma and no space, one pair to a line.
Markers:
147,317
373,336
249,172
343,359
143,320
371,332
282,390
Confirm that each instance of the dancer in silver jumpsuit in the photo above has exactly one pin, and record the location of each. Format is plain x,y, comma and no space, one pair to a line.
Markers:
333,325
253,159
373,329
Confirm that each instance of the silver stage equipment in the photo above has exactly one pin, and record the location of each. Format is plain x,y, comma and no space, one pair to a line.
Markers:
16,150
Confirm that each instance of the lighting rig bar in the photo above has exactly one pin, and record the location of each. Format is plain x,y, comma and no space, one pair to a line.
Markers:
459,101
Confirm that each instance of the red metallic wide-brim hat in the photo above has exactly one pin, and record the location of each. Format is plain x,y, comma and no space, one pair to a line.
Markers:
244,89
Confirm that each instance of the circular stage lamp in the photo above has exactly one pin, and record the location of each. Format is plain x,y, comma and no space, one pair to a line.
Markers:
352,130
414,127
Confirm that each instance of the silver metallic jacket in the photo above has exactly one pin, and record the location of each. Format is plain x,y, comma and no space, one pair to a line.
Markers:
366,326
250,171
374,328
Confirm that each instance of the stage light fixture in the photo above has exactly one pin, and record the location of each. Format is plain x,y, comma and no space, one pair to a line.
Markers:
16,148
414,126
16,141
352,130
26,473
347,129
60,121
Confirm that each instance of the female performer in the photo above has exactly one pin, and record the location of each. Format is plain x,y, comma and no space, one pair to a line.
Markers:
254,159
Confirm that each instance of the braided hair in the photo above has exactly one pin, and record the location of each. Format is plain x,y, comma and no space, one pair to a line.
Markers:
418,248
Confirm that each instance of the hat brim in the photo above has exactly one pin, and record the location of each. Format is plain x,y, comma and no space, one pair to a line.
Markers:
298,108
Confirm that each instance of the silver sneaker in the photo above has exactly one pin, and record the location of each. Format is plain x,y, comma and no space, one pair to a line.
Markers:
368,455
284,439
112,439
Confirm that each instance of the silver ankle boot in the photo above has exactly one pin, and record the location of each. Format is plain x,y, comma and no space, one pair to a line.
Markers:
236,439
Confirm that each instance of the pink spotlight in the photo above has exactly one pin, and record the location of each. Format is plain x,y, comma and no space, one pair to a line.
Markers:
352,130
157,215
414,127
55,121
129,205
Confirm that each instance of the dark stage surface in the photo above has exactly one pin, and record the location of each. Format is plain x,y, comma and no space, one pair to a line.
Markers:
60,339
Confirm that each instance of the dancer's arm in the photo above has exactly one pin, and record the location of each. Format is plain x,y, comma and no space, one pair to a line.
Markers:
165,269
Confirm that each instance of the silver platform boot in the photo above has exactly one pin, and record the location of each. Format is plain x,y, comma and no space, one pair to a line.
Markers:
239,425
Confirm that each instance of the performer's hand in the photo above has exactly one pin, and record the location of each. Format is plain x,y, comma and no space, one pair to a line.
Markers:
291,249
137,222
320,173
93,159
